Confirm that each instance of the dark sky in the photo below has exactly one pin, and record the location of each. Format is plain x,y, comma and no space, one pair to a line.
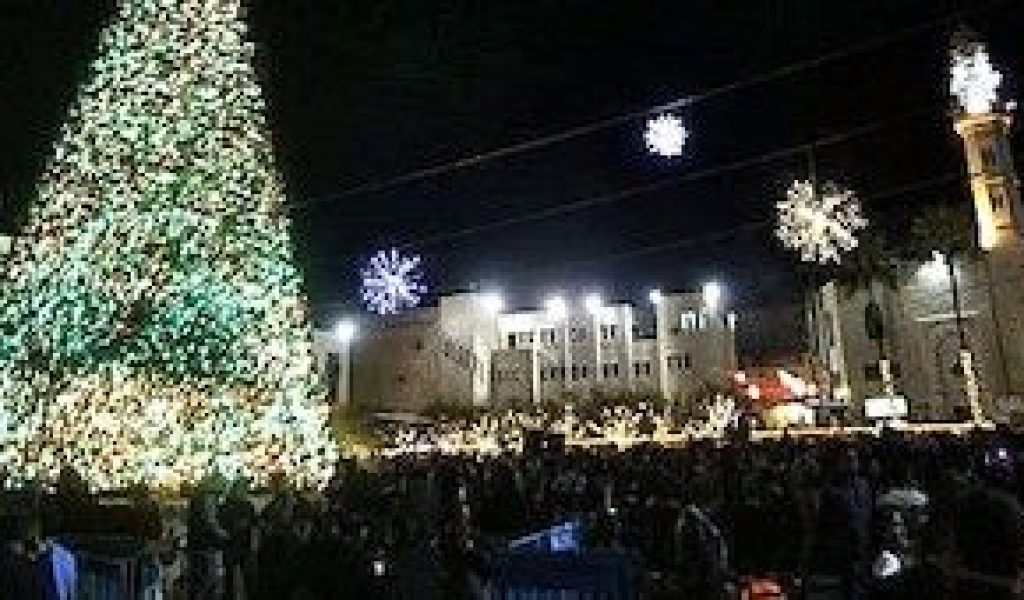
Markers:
364,90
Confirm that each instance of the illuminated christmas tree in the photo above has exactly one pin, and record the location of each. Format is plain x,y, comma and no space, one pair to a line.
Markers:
152,326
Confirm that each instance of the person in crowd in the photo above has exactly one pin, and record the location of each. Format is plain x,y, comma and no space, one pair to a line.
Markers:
20,574
206,541
845,508
34,567
988,542
238,517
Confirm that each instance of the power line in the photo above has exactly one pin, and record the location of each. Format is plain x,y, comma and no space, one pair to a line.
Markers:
732,231
686,101
647,188
892,192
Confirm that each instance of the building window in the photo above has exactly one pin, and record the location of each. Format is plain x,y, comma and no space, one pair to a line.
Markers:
674,331
636,369
512,341
543,374
604,370
583,372
547,336
988,157
419,344
995,194
647,368
526,337
578,334
687,362
688,320
575,373
615,370
561,373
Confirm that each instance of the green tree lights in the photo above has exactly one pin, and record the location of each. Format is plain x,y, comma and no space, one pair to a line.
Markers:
152,329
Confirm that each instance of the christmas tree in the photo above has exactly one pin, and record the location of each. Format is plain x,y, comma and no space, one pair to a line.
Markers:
152,325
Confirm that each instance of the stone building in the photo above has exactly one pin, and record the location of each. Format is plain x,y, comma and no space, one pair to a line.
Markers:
941,376
466,350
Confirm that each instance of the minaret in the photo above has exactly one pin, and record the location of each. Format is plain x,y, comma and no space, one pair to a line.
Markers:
984,124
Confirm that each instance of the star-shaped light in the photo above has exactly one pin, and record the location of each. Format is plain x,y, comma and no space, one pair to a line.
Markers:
973,80
820,225
392,282
665,135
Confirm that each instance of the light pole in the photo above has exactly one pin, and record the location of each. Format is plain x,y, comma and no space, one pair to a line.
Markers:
712,294
557,311
966,357
345,333
595,307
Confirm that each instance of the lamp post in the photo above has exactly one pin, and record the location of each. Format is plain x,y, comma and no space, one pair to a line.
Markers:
595,307
557,311
966,357
345,333
712,294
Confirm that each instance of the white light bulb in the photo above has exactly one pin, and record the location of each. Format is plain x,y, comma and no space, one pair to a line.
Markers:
556,308
345,331
712,293
493,302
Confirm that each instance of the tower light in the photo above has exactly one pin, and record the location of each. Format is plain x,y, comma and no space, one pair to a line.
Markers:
345,331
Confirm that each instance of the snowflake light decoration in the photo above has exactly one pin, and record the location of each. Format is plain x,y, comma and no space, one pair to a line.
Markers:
392,282
973,80
820,226
665,135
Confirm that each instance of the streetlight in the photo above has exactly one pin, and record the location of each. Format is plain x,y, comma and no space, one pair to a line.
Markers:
493,302
712,293
556,308
557,311
345,333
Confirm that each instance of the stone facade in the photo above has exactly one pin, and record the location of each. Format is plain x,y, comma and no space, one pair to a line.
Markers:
921,339
919,314
459,351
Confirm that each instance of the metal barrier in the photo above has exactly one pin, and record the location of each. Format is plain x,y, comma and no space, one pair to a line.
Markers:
535,576
119,576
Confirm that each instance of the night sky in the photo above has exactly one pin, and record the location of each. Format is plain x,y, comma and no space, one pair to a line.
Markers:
362,91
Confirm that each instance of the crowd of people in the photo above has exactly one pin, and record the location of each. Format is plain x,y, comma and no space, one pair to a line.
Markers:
894,516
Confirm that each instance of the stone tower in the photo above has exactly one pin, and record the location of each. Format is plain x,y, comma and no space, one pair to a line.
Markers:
983,122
